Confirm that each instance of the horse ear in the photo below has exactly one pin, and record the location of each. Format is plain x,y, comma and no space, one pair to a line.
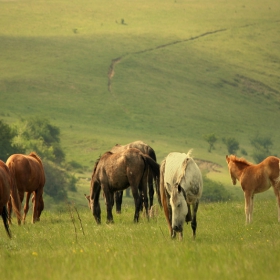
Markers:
227,158
86,196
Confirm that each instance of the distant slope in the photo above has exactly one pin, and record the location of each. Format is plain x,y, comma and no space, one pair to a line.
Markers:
185,69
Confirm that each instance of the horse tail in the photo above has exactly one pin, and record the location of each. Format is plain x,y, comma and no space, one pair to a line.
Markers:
163,194
277,180
39,160
154,167
152,154
16,204
5,220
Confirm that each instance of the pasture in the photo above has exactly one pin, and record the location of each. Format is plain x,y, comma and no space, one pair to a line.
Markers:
56,248
165,72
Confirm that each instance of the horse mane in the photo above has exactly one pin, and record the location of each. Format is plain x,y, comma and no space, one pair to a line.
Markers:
189,153
184,166
97,161
240,160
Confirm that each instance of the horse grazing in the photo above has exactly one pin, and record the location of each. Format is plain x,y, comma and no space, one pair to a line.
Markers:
147,150
28,176
255,178
117,171
181,187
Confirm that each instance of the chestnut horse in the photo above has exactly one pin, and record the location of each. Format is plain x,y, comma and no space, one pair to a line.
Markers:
117,171
181,187
145,149
255,178
5,192
28,175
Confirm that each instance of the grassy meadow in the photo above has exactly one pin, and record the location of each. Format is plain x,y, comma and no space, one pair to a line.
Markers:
59,247
165,72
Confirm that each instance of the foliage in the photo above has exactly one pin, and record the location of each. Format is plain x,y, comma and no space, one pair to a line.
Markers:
56,181
232,144
38,134
211,139
7,147
214,191
262,146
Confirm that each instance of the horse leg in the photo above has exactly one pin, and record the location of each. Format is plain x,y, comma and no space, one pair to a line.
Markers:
247,197
189,215
118,199
143,189
137,202
94,202
251,207
26,206
109,205
194,223
151,188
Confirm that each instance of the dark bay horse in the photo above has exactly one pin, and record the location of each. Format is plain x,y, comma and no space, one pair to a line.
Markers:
5,192
147,150
117,171
28,176
255,178
181,187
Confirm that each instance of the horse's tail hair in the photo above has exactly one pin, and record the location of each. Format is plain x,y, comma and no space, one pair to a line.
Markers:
154,167
5,221
162,190
164,203
277,180
16,204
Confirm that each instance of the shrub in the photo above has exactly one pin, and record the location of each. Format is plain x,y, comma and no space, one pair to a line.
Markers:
214,191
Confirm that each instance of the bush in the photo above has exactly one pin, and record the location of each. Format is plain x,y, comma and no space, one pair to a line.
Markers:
56,181
214,191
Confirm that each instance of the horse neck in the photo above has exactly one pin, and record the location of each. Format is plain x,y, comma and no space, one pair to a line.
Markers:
239,169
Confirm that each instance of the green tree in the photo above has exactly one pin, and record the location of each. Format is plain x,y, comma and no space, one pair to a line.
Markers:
214,192
232,144
37,134
211,139
262,146
7,147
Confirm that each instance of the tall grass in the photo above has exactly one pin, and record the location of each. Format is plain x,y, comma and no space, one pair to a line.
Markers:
224,247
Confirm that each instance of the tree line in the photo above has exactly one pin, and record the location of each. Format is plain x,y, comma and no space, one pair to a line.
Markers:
261,145
39,135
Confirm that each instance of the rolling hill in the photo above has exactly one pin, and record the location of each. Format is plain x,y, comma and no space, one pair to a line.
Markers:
165,72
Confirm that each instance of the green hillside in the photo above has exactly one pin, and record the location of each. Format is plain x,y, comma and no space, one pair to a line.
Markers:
165,72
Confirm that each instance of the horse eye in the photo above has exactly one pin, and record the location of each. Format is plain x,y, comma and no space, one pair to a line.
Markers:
178,205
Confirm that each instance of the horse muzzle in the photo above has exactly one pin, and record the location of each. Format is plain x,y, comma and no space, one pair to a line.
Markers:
177,228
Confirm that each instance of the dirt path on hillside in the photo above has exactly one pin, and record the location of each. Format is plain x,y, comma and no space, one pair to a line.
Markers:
207,165
111,71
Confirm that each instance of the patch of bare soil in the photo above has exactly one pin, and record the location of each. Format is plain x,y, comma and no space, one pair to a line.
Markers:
208,166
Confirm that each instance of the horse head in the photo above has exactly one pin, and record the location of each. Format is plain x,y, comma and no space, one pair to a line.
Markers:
231,168
179,207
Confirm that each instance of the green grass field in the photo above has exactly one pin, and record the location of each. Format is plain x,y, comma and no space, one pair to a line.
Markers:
165,72
56,248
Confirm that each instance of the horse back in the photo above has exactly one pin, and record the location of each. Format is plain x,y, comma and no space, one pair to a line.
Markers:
28,172
119,170
259,177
